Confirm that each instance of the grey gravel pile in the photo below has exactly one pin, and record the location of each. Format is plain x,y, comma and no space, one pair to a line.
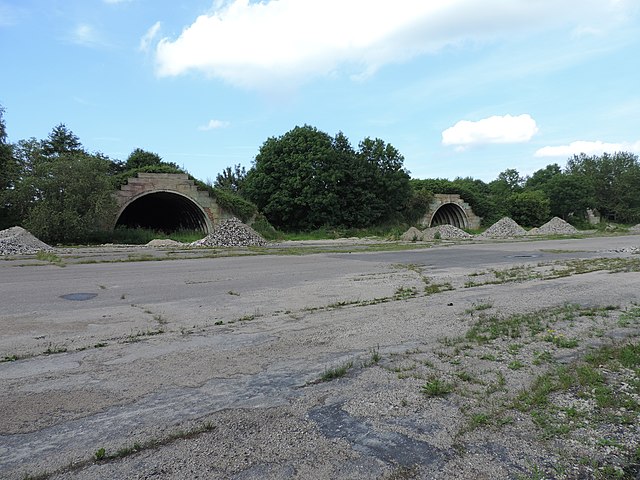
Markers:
18,241
635,229
505,227
411,235
164,242
555,226
231,233
446,232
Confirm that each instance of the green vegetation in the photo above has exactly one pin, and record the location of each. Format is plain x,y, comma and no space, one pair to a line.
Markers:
302,181
336,372
305,179
436,387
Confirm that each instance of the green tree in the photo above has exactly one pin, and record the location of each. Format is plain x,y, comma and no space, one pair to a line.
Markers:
615,181
141,158
8,176
529,208
231,179
73,198
61,140
541,177
306,179
569,195
291,180
385,178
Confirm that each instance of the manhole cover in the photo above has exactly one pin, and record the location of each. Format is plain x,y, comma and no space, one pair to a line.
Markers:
523,255
79,296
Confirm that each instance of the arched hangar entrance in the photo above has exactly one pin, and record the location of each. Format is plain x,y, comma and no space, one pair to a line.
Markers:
166,202
163,211
451,214
449,208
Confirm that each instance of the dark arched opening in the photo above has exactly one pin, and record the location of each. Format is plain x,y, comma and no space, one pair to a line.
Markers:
163,211
451,214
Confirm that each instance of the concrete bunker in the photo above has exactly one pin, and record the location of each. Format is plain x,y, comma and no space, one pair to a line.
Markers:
450,214
163,211
446,208
167,202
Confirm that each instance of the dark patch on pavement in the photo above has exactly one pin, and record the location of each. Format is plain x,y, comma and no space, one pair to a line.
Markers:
390,447
78,297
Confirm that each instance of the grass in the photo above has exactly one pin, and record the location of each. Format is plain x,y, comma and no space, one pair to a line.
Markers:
50,257
336,372
435,387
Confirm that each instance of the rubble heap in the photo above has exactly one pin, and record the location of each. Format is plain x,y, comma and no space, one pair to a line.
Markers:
555,226
505,227
231,233
635,229
446,232
18,241
411,235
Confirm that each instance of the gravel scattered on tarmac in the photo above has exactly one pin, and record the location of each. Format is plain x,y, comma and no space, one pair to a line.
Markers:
18,241
231,233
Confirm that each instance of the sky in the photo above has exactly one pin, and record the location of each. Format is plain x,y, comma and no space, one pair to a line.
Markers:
460,87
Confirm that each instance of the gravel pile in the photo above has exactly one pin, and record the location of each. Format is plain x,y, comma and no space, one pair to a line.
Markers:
164,242
505,227
231,233
412,235
555,226
18,241
446,232
635,229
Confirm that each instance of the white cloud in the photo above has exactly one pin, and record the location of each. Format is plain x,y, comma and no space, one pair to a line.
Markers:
85,34
267,42
147,39
590,148
496,129
214,125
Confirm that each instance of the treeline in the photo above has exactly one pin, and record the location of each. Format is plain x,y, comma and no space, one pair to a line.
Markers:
306,179
300,181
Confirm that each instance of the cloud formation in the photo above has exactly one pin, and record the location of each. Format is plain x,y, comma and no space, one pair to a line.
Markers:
85,34
256,43
590,148
214,125
496,129
149,36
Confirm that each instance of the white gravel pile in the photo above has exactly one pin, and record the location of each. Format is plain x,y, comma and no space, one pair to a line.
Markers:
505,227
411,235
164,242
18,241
447,232
635,229
555,226
231,233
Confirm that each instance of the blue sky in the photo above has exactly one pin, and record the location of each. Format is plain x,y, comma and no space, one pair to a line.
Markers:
459,87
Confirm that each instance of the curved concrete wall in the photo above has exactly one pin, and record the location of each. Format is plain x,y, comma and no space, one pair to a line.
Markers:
450,209
165,194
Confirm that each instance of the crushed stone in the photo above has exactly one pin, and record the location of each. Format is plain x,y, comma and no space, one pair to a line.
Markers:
505,227
555,226
412,235
635,229
446,231
164,242
18,241
231,233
